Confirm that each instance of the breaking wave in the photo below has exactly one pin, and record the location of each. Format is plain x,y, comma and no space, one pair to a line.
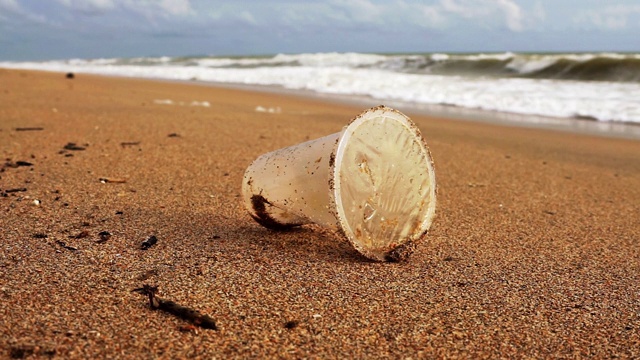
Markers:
614,67
598,86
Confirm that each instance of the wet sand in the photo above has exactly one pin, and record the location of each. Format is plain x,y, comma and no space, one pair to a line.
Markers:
534,252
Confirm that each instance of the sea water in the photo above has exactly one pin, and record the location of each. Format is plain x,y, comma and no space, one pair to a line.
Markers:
603,87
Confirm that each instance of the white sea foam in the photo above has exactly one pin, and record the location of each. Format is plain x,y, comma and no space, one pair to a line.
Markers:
440,57
182,103
163,101
271,110
383,77
523,65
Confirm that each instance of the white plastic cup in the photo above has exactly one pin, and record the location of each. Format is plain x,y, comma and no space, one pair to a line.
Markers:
374,182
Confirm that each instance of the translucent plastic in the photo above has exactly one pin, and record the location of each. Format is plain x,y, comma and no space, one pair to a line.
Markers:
374,182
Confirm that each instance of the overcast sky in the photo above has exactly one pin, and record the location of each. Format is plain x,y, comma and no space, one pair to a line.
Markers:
58,29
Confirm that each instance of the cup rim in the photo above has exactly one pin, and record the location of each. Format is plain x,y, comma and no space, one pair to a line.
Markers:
400,246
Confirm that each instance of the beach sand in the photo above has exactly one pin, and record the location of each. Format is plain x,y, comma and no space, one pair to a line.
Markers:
534,252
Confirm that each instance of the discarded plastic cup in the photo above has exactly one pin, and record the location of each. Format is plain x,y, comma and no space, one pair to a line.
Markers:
374,182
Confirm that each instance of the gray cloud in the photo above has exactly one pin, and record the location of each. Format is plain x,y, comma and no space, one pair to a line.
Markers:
91,28
89,6
610,17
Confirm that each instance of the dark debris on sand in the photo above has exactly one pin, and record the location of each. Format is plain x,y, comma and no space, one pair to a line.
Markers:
183,312
74,147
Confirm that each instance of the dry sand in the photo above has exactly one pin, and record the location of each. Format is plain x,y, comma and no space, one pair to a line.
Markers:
535,250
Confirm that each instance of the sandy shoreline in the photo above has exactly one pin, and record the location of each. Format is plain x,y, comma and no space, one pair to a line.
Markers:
534,251
614,129
622,130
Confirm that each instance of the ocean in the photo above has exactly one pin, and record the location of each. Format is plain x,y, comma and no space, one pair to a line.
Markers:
600,87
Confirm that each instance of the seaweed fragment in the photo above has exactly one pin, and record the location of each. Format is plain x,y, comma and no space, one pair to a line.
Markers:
74,147
64,245
17,164
263,217
152,240
291,324
171,307
106,180
21,352
81,235
104,237
8,191
400,253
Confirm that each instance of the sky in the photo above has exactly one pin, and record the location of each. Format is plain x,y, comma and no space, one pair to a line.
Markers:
63,29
